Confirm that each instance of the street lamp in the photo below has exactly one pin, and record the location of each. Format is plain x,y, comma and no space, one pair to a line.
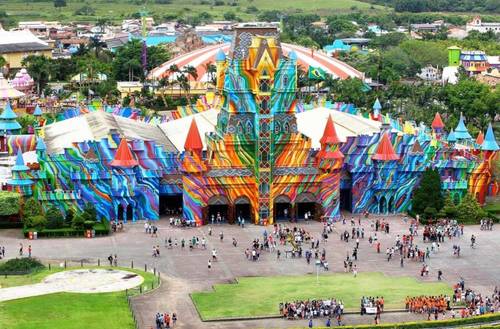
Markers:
318,264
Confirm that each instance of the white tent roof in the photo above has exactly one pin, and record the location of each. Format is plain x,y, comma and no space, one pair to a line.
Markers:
311,123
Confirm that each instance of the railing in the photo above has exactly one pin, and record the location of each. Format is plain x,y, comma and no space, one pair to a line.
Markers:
459,184
59,195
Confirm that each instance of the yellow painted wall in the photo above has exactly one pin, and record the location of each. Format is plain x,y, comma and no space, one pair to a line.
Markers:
14,59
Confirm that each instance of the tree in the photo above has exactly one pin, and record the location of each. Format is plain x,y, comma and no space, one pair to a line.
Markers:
59,3
37,222
127,65
78,222
25,121
449,209
3,62
230,16
70,214
54,218
428,194
469,210
40,69
31,208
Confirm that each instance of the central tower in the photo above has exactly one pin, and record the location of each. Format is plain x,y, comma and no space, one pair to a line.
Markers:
259,85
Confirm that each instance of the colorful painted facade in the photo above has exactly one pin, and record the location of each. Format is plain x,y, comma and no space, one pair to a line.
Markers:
256,164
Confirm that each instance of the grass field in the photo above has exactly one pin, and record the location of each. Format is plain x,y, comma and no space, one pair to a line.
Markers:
116,10
67,310
262,295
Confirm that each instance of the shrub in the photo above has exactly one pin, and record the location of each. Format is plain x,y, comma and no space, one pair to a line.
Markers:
78,222
38,222
88,224
20,266
430,212
9,203
54,218
470,211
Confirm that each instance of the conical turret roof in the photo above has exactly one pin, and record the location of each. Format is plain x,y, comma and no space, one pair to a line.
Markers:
480,138
20,166
193,139
451,137
437,123
329,134
123,156
38,111
490,143
385,151
461,131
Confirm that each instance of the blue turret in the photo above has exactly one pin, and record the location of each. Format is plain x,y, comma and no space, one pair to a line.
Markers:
461,131
220,56
8,122
490,143
451,137
38,111
20,179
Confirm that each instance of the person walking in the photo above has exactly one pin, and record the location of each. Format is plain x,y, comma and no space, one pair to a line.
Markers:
310,323
209,264
29,251
440,275
221,236
355,270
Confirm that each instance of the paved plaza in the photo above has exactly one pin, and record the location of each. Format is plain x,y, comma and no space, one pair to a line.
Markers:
185,271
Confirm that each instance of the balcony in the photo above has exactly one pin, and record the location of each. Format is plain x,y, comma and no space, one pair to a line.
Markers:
454,185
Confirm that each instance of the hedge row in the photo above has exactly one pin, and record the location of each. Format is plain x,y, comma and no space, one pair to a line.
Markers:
431,324
99,228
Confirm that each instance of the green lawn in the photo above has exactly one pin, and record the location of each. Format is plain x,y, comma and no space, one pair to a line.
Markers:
68,310
116,10
261,295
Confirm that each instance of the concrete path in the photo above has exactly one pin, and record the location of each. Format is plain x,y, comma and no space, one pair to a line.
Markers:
79,281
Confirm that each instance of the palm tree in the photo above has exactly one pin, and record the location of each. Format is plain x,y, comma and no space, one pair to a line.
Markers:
191,72
183,83
164,83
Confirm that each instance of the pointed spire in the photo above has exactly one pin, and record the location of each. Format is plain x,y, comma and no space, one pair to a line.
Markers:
123,156
377,106
329,134
38,111
480,138
193,139
40,144
461,131
490,143
451,137
220,56
385,151
8,113
437,123
20,166
416,148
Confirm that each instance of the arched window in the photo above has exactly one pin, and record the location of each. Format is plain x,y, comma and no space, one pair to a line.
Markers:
277,128
265,127
239,128
286,128
249,127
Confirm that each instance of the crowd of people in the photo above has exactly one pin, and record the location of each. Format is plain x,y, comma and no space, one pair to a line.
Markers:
371,305
427,304
486,224
444,228
165,320
308,309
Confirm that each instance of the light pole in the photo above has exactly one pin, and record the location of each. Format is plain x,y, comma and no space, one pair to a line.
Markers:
318,264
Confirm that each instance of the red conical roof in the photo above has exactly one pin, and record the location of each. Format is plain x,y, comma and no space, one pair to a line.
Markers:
123,156
437,122
330,134
480,138
193,139
385,151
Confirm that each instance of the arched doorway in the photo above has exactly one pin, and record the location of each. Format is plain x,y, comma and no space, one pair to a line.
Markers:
390,206
121,212
282,208
171,204
242,209
382,205
305,203
130,213
218,209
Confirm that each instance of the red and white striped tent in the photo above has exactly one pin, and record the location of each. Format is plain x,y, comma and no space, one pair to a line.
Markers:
305,57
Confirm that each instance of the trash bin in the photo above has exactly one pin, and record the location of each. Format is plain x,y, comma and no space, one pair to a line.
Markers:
93,233
30,235
35,235
88,234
